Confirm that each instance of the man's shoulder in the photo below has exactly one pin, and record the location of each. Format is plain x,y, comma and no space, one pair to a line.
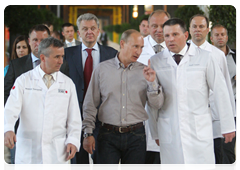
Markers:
107,48
21,60
235,51
217,50
64,77
72,48
77,42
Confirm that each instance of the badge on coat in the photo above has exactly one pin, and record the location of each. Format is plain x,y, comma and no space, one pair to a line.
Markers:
62,91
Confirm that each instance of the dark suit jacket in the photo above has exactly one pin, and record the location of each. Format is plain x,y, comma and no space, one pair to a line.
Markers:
16,68
72,66
235,57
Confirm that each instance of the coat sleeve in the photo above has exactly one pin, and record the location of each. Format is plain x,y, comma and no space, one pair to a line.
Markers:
74,121
91,102
217,84
13,105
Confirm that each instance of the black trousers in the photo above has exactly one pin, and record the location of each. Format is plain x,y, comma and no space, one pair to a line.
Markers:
152,157
229,151
218,150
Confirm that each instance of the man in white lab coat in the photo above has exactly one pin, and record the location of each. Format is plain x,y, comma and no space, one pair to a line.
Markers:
153,44
199,29
50,126
186,74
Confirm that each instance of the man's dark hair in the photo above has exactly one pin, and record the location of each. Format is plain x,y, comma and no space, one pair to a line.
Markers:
39,27
67,25
176,21
48,23
199,15
144,19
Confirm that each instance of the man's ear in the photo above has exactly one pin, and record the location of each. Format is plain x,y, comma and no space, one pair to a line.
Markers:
122,44
42,57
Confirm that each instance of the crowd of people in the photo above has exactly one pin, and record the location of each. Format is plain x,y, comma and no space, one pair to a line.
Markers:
160,99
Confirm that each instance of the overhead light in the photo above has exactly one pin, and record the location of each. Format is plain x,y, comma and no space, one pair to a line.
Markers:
135,11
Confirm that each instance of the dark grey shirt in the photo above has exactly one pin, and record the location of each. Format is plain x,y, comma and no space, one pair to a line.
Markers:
122,92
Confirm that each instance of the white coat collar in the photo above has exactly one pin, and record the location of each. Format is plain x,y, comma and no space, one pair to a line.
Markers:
42,73
205,46
37,77
190,52
152,42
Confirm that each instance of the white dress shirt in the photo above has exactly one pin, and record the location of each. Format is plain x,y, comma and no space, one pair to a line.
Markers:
73,43
34,59
95,55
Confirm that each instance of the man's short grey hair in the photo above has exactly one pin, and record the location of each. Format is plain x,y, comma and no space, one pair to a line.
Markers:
43,47
87,17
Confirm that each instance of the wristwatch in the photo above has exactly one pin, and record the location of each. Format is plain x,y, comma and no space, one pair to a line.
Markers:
85,135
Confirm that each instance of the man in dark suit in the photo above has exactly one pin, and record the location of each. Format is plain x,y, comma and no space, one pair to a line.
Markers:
219,38
21,65
68,33
104,38
79,61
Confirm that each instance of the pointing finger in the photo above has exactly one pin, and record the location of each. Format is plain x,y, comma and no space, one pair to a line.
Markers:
149,63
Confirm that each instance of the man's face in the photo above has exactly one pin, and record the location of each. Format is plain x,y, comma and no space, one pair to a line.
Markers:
175,38
132,49
144,28
155,26
198,29
53,62
34,40
89,32
68,33
219,37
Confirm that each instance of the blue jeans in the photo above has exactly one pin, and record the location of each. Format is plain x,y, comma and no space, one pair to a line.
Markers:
126,148
13,151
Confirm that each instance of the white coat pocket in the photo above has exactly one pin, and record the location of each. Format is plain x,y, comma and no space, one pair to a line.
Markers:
203,125
165,131
61,150
23,151
195,79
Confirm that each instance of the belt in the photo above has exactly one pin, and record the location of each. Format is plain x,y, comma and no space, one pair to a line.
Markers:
123,129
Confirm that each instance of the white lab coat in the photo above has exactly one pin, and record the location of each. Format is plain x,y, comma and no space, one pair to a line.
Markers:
184,121
147,53
49,118
221,59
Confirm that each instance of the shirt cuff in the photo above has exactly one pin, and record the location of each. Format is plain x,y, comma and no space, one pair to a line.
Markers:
88,130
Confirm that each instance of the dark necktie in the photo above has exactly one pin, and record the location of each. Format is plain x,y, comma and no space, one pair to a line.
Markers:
88,68
36,63
177,58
